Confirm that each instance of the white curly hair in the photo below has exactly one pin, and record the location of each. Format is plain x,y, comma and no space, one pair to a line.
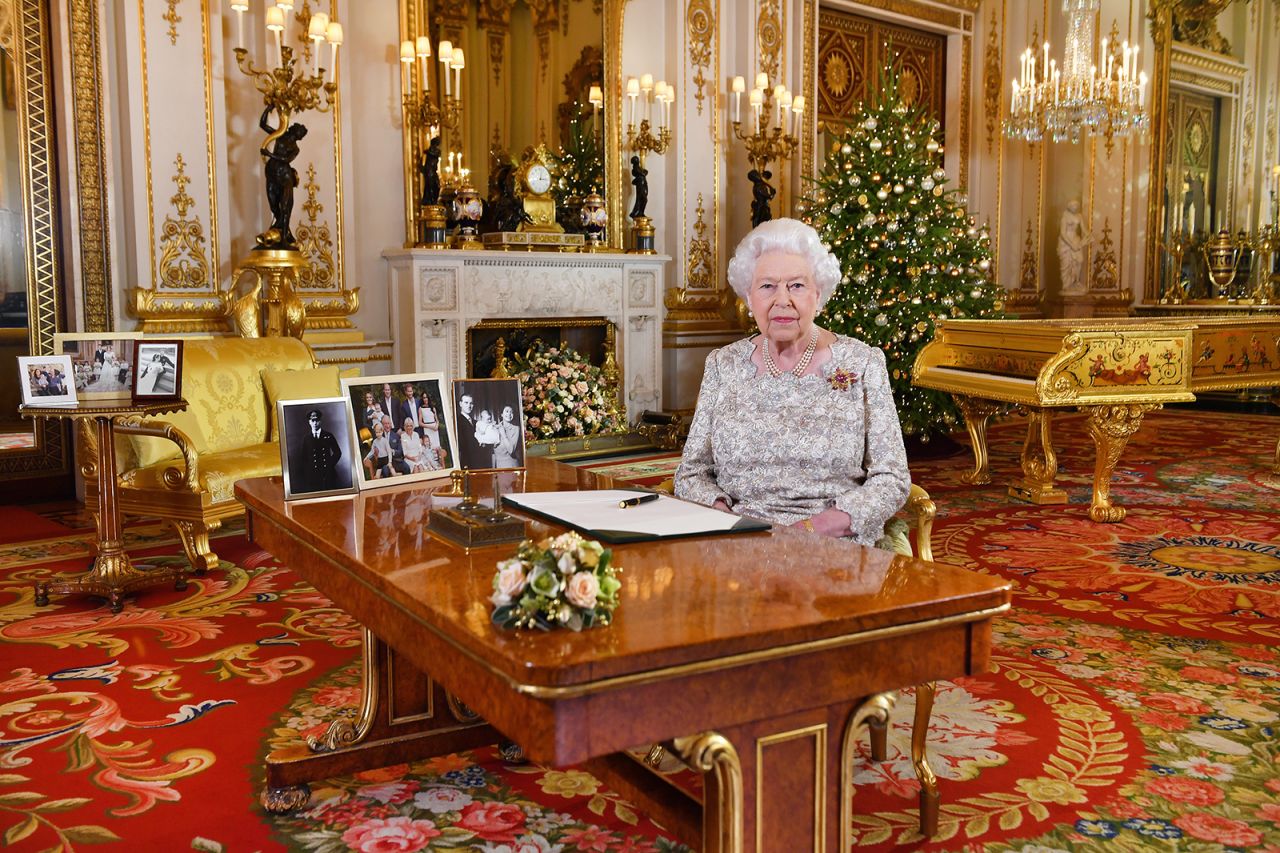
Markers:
789,236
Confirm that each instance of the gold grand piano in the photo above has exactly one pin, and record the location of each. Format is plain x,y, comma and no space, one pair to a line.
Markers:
1115,370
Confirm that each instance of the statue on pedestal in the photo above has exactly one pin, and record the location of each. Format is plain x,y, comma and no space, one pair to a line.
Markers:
282,179
430,168
639,180
762,193
1072,239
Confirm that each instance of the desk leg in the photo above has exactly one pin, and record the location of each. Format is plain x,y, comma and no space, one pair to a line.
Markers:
1110,428
402,717
976,414
1039,462
112,575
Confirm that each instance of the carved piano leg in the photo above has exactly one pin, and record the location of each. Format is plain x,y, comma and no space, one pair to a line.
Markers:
976,413
1039,462
1110,428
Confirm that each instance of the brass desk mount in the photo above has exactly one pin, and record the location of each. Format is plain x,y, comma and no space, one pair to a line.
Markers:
471,524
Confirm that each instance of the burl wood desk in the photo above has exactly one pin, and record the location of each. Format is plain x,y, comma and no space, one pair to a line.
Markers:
755,657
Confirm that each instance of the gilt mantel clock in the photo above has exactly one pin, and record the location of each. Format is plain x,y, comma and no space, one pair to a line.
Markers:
533,187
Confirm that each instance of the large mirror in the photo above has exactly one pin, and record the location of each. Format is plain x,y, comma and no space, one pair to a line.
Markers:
1197,130
28,233
527,80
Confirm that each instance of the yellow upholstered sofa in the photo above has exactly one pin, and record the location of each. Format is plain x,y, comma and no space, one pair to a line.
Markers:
182,467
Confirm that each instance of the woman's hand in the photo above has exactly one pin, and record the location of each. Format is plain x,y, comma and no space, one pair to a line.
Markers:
829,522
721,505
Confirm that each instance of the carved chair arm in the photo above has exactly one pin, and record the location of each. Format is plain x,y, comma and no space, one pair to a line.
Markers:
924,510
188,477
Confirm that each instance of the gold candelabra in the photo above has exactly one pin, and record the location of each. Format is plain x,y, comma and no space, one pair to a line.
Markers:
292,85
775,138
427,116
1265,247
1176,246
641,143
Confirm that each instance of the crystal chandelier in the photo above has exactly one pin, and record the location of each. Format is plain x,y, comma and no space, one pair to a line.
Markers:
1063,103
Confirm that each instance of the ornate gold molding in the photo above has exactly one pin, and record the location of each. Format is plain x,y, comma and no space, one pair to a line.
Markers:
769,38
183,263
172,17
722,824
1105,275
92,214
315,241
992,87
966,117
699,269
701,23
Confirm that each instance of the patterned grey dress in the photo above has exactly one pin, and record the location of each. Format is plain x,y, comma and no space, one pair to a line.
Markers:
786,449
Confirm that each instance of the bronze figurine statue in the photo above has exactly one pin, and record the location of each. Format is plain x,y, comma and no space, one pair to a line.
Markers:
504,212
430,168
282,179
639,180
762,192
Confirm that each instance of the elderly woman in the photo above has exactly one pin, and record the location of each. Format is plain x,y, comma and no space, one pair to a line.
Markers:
795,425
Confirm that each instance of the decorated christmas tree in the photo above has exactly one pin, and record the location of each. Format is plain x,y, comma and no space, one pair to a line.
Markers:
578,172
910,252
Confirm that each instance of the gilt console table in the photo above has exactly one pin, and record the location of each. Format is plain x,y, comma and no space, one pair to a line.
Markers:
436,295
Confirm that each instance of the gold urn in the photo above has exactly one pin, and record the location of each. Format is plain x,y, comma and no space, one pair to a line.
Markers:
1222,258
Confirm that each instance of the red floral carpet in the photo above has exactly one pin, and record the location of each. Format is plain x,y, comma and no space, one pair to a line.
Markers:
1134,702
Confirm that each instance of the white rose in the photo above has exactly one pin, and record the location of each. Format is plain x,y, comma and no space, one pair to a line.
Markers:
582,590
567,564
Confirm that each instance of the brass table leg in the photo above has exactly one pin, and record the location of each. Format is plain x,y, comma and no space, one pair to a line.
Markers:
1039,462
112,575
717,759
976,414
929,798
1110,428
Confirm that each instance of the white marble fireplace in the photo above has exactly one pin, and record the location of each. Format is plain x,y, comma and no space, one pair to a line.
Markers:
436,295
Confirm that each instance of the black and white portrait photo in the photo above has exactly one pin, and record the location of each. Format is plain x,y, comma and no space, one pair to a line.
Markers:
157,369
402,426
46,380
490,423
316,450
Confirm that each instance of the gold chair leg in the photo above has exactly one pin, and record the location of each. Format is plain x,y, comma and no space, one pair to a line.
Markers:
195,542
929,798
976,414
1110,428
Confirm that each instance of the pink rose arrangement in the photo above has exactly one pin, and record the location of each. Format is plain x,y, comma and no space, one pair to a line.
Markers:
564,395
566,582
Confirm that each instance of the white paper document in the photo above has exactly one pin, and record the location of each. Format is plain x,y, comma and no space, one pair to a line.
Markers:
600,510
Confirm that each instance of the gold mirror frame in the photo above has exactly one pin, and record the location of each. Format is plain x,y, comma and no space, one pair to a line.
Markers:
412,13
36,116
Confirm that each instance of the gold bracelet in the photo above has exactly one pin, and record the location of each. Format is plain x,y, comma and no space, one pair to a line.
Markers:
808,525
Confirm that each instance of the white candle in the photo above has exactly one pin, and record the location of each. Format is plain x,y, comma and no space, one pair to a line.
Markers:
275,24
459,63
334,36
1191,221
445,55
756,99
797,109
738,86
240,7
406,61
1248,217
633,92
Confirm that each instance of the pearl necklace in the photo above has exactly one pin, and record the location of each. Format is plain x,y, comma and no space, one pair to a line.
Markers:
801,366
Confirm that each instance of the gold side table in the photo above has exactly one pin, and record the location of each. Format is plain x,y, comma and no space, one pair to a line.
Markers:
112,575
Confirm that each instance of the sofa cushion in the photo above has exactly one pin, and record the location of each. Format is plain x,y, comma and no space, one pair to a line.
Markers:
297,385
218,471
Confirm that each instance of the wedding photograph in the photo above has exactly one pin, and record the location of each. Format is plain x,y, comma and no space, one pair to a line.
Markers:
46,380
402,426
157,371
490,421
316,450
101,364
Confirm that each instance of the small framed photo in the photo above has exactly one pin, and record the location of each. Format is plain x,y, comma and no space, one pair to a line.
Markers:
101,363
47,380
402,426
317,450
157,369
490,423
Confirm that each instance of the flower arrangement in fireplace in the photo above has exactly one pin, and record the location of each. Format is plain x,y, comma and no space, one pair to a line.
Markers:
565,395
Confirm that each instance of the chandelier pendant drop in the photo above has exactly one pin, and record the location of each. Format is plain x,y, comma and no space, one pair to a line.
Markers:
1105,97
801,366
